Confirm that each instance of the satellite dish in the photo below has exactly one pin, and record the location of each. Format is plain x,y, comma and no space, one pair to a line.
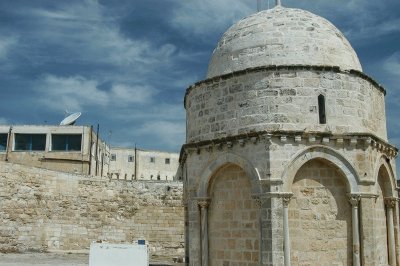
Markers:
71,119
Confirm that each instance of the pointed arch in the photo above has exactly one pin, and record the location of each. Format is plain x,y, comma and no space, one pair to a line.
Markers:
327,154
221,161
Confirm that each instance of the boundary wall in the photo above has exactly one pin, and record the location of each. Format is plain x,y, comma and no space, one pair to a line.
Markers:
48,211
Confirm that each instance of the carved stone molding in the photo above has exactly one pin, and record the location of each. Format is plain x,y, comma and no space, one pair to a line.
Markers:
229,144
390,202
367,195
277,194
203,203
286,200
350,141
258,200
267,141
354,199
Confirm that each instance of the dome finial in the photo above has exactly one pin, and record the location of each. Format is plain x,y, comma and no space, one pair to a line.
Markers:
278,2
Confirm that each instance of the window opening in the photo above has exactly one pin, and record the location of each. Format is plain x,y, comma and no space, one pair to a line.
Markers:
113,157
3,142
321,109
167,160
152,159
30,142
66,142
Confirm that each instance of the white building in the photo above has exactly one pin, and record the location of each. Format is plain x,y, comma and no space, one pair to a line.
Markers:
138,164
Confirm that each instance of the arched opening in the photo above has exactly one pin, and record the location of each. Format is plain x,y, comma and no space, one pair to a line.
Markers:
320,216
233,218
321,109
382,190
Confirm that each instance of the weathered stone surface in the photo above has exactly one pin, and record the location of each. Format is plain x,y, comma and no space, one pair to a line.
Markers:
310,141
234,220
320,216
282,36
349,108
42,210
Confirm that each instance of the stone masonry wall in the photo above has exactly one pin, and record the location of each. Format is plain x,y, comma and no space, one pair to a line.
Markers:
381,229
320,217
233,220
281,36
283,100
43,210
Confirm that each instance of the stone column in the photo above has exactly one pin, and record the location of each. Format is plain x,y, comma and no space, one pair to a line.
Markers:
286,238
204,231
354,201
390,205
258,200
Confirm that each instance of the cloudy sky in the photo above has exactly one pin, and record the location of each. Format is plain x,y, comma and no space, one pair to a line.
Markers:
126,64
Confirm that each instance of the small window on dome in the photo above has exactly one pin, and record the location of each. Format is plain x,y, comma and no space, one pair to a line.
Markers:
321,109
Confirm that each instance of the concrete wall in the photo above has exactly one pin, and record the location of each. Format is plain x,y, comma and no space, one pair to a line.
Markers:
159,169
83,161
121,167
42,210
163,166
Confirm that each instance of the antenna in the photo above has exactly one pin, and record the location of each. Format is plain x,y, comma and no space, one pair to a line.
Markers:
278,2
71,119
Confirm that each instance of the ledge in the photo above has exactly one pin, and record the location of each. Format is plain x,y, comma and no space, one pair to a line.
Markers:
266,136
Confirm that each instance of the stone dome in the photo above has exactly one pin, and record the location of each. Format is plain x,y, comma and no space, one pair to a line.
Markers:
282,36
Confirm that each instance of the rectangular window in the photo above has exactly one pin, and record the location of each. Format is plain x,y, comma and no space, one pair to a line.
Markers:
66,142
113,157
130,158
167,161
3,142
321,109
152,159
30,142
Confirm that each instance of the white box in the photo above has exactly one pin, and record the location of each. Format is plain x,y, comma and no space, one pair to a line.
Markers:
103,254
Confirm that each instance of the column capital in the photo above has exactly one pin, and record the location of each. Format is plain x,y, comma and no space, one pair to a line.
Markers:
390,202
258,199
203,203
354,199
286,199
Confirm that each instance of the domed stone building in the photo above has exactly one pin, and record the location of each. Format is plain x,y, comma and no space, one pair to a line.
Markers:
287,160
